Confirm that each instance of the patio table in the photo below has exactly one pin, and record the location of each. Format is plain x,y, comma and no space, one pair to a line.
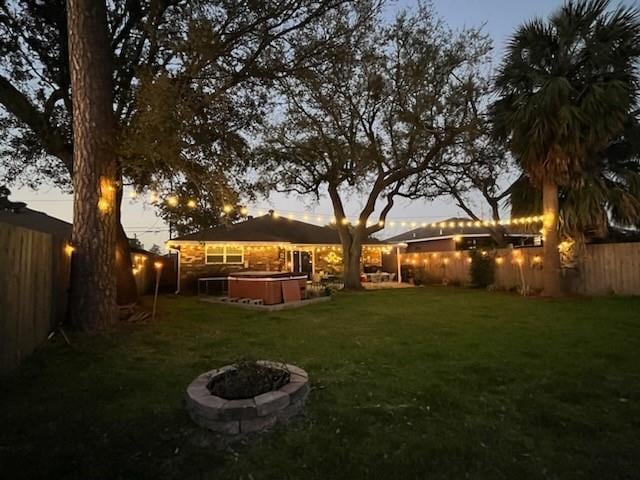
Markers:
379,276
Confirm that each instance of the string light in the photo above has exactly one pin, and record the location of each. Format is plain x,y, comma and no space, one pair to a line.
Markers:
69,249
172,200
107,195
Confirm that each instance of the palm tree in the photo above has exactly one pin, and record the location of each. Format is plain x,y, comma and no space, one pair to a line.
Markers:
565,89
606,193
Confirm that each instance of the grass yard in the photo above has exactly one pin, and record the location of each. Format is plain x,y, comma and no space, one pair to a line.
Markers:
417,383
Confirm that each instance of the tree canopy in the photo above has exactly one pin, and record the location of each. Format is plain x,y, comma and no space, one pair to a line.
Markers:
374,112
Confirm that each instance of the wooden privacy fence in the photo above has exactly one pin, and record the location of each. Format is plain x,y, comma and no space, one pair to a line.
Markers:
34,275
612,268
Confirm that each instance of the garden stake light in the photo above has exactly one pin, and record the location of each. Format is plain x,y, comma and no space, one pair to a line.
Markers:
158,267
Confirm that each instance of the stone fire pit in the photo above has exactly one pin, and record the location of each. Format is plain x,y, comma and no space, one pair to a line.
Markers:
233,417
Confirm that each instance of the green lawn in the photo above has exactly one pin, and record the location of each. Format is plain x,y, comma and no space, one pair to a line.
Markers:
416,383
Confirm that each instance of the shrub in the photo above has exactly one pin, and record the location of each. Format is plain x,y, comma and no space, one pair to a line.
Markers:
482,269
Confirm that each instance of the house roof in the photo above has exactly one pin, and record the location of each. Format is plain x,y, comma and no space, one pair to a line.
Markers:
268,228
425,234
39,221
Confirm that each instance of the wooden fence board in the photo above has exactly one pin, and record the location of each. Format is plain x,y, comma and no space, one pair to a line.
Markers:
26,284
601,268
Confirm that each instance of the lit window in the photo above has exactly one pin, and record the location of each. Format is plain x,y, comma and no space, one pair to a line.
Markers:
220,254
234,254
215,254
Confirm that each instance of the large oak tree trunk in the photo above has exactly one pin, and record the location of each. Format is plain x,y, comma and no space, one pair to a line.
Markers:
351,255
552,280
93,283
127,292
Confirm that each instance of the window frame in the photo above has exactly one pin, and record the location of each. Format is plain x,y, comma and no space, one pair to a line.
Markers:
224,254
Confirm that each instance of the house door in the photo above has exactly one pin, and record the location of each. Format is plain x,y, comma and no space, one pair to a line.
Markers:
302,262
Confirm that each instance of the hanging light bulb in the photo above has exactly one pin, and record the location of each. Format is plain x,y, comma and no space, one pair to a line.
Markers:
191,203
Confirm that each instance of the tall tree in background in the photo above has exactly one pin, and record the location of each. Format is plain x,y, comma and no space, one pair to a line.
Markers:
566,88
93,292
606,193
372,114
203,52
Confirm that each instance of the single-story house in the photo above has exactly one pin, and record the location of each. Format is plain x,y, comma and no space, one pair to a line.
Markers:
265,243
455,234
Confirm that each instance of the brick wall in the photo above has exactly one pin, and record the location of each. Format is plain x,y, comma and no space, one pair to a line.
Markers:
193,266
266,258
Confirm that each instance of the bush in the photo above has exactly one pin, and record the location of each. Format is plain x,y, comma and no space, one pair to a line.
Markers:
482,269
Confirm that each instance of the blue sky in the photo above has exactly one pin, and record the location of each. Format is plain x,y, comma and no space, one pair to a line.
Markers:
499,17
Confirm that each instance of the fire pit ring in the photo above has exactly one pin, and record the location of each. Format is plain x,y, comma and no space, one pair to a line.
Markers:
234,417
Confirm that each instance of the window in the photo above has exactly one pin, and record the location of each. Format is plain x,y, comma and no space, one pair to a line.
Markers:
215,254
219,254
234,254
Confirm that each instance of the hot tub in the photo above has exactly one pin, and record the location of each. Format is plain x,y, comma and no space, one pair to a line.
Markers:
270,287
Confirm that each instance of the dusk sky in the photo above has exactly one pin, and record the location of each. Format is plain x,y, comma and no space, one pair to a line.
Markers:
500,18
